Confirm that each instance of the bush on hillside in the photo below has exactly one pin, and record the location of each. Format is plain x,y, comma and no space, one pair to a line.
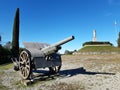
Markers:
5,55
97,43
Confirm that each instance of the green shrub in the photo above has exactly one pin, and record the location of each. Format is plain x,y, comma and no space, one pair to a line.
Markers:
97,43
5,55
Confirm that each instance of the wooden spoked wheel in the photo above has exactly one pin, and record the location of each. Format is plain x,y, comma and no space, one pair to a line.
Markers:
25,64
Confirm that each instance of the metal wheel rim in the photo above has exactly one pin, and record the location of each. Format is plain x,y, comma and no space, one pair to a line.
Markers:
25,64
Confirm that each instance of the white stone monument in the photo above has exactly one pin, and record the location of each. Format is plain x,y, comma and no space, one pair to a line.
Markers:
94,36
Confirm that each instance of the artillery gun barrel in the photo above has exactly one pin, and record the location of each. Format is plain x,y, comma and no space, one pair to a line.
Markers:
64,41
54,48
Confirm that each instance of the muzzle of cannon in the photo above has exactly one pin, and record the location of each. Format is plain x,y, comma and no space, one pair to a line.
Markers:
41,55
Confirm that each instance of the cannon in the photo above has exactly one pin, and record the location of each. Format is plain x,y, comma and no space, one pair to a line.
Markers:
40,55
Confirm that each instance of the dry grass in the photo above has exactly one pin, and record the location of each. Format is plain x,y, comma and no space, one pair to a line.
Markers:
65,86
92,62
98,59
2,68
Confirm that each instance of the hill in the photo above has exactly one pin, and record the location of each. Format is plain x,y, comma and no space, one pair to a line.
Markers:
99,49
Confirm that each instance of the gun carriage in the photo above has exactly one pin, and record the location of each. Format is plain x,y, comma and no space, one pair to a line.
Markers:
40,55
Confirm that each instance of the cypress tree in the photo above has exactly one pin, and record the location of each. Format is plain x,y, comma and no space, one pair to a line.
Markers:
15,37
0,39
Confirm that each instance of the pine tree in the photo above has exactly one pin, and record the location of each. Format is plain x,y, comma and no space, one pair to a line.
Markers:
15,37
118,41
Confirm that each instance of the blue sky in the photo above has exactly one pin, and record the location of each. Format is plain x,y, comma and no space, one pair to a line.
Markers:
53,20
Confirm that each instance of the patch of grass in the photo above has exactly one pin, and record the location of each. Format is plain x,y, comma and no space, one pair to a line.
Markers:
99,49
1,86
2,68
6,66
66,86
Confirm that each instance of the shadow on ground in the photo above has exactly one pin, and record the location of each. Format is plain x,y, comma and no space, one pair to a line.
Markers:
45,75
81,70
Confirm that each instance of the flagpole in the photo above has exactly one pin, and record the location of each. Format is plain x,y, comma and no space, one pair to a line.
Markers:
116,26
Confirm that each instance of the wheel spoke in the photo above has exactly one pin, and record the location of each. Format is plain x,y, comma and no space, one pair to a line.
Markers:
21,67
22,70
27,67
21,63
27,62
21,58
25,56
25,72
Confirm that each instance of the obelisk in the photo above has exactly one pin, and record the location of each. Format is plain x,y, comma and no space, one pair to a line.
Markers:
94,36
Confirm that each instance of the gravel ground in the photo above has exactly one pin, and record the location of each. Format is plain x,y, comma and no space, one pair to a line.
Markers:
78,72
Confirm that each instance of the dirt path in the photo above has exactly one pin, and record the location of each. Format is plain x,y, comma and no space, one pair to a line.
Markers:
78,72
